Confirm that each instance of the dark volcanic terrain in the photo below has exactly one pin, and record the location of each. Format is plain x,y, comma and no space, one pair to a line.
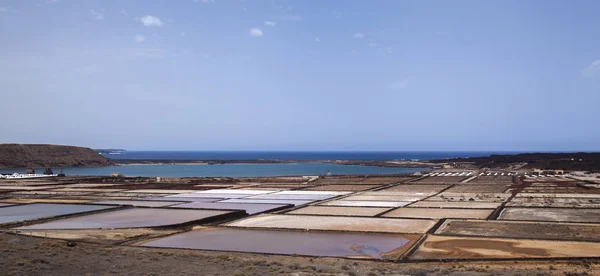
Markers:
584,161
40,155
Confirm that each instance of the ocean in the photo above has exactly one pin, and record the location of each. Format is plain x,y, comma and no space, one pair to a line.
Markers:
297,155
255,170
234,170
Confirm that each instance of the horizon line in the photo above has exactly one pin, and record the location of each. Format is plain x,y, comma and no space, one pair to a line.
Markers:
377,151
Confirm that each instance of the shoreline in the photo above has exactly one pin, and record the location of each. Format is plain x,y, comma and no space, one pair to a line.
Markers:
158,162
581,161
387,163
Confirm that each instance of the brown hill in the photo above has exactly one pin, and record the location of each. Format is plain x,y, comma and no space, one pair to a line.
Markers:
571,161
39,156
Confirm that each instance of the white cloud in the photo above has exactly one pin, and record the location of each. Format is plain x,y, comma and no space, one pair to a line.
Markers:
317,39
139,38
123,12
3,9
592,70
270,23
358,35
51,1
149,20
182,33
255,32
399,85
289,17
373,44
205,1
97,15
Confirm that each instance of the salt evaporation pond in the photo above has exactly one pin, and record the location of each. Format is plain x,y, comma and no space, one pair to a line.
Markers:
34,211
366,246
249,208
131,218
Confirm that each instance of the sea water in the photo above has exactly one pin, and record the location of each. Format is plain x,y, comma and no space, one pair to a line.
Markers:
230,170
296,155
255,170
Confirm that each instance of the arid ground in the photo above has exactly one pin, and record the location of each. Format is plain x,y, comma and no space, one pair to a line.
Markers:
459,223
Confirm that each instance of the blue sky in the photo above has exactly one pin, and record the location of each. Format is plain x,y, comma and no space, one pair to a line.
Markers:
301,75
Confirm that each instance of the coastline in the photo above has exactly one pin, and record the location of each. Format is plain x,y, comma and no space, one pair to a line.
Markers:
577,161
390,163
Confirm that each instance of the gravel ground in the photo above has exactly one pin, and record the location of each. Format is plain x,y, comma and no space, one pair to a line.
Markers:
23,255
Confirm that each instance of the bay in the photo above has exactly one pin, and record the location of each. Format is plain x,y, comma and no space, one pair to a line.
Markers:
228,170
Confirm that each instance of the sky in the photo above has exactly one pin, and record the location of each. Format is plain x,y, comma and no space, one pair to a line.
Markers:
301,75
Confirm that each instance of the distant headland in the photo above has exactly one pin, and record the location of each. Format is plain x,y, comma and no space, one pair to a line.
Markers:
44,155
61,156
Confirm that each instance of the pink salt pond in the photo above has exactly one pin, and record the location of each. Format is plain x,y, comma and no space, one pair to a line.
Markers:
133,218
351,245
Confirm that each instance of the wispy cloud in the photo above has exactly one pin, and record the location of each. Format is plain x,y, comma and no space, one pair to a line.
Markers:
373,44
3,9
139,38
358,35
256,32
182,34
270,23
288,17
205,1
317,39
399,85
123,12
593,70
51,1
149,20
97,15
